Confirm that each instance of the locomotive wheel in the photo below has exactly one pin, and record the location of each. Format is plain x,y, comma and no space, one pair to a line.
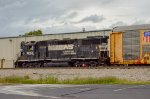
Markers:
71,64
93,64
77,64
24,65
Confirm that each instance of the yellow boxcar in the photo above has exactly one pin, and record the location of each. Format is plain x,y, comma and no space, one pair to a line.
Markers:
130,47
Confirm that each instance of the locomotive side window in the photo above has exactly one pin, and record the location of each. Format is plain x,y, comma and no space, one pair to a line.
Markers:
94,41
91,41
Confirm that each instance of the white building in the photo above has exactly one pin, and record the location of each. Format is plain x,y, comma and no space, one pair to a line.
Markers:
10,46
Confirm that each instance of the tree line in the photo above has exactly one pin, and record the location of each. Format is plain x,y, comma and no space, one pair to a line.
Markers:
33,33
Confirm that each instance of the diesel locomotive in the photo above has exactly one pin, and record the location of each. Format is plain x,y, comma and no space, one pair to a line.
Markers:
89,51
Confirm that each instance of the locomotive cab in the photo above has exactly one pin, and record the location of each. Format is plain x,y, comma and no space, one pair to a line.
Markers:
27,54
27,50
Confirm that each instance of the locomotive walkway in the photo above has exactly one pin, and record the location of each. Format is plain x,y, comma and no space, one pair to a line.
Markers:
75,92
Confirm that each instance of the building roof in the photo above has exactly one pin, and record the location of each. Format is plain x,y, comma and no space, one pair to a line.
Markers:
58,34
115,29
132,27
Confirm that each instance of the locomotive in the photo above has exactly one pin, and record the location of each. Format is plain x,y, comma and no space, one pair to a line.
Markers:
89,51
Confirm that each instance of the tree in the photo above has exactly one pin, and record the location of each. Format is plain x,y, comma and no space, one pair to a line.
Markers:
35,32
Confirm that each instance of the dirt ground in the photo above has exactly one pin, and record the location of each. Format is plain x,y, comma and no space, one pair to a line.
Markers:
142,74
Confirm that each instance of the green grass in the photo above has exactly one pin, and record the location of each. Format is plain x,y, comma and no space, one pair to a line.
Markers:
77,80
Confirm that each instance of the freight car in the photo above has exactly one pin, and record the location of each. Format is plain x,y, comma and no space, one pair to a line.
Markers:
130,46
90,51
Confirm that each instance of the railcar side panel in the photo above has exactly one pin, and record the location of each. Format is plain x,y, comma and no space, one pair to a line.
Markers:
130,47
145,47
116,48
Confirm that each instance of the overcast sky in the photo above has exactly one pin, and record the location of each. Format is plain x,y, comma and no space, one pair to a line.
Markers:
57,16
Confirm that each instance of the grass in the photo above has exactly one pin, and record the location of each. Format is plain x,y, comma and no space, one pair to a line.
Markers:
77,80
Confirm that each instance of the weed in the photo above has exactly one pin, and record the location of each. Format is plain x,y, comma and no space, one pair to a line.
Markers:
77,80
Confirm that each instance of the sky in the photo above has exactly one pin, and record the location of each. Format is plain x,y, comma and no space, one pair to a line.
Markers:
61,16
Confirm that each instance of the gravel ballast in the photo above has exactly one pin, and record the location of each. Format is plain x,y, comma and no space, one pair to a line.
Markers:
142,74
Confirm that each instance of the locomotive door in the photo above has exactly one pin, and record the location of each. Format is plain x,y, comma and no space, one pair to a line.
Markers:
42,52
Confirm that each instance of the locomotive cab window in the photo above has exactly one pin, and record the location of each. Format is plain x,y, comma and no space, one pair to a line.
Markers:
30,48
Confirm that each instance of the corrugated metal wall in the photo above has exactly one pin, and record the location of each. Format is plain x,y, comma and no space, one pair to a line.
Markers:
135,49
125,47
131,45
10,47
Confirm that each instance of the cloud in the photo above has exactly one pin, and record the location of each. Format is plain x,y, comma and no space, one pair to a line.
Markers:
20,16
138,22
93,19
80,4
72,14
66,29
9,3
61,29
119,23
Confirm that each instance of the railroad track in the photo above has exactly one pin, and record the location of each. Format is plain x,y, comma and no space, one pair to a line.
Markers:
98,67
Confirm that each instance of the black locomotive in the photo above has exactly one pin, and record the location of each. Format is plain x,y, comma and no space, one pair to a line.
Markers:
90,51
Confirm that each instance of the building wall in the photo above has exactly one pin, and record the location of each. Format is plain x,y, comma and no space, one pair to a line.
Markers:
10,47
